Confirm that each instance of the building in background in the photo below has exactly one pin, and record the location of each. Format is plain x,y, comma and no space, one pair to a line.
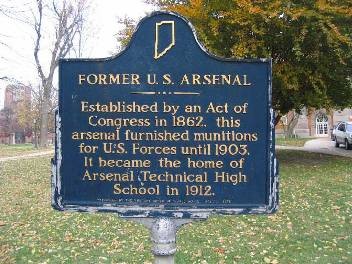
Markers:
13,130
312,122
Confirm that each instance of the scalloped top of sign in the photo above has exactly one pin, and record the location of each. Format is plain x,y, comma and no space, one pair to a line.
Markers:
166,36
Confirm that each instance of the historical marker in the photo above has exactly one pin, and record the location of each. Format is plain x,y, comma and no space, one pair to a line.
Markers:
165,129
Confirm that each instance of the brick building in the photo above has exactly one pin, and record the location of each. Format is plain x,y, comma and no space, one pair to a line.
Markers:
11,131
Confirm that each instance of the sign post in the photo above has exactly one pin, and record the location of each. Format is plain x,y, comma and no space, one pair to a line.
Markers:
163,236
165,133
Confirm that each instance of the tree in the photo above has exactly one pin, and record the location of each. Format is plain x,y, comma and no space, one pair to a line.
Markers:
6,114
125,34
289,122
68,18
28,112
309,42
8,11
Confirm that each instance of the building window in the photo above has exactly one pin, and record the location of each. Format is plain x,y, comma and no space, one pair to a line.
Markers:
321,124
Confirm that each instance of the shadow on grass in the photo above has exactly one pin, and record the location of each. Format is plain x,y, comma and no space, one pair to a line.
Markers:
290,157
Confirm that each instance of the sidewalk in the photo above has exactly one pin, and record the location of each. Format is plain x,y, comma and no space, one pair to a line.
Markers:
321,145
28,156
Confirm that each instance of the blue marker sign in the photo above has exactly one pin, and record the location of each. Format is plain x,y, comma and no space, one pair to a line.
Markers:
165,129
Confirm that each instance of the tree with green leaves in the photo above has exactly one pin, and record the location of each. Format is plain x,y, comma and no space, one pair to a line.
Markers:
124,35
309,42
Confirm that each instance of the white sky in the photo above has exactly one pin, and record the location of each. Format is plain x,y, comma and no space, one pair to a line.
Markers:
16,59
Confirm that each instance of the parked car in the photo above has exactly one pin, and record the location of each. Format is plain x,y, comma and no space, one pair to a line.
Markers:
343,135
333,131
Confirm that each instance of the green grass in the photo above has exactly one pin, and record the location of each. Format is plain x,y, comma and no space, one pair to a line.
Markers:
19,149
313,224
294,142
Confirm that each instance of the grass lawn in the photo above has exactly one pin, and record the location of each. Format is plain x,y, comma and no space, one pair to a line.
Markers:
313,224
19,149
295,142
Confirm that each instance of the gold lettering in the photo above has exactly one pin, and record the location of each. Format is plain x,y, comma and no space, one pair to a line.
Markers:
207,79
125,79
195,79
215,79
108,79
237,80
170,177
102,79
152,79
226,177
118,189
245,82
124,163
135,79
84,106
226,79
217,108
114,79
81,78
167,79
185,79
86,175
92,79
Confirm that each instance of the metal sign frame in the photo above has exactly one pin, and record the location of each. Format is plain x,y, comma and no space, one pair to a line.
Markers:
161,210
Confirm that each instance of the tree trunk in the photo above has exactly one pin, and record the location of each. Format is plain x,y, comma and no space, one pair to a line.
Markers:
277,118
44,125
291,128
289,133
44,114
35,138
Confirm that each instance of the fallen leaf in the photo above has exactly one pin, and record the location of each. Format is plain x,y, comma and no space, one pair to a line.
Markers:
267,260
219,250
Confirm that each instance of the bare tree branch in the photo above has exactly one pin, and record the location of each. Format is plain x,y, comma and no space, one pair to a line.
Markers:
11,80
37,28
69,21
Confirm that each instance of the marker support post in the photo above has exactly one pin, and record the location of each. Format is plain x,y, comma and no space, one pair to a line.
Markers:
163,236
